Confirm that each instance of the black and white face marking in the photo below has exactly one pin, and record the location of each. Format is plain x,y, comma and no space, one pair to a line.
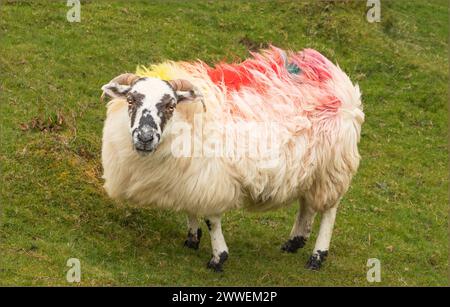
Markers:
151,103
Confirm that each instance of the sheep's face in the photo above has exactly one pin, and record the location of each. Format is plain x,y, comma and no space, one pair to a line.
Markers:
151,104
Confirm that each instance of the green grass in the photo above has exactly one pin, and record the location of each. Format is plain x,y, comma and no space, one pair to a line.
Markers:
53,205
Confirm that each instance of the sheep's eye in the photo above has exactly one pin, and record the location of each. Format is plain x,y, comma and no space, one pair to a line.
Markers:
171,108
130,100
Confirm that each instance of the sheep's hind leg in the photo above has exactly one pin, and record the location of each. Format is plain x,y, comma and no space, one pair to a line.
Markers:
219,247
301,230
194,232
323,240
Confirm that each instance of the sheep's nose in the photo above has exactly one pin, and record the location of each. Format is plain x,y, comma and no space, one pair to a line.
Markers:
145,135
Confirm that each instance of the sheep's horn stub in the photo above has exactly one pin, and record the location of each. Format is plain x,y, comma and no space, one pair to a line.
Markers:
125,79
181,85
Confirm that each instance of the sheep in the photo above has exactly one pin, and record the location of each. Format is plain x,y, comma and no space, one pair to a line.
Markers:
157,117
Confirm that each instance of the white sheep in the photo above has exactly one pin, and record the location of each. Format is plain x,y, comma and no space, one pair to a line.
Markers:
276,128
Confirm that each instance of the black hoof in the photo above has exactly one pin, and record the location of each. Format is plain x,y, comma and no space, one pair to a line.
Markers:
192,240
315,261
292,245
215,265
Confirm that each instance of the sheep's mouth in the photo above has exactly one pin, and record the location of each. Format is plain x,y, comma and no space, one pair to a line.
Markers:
143,152
144,149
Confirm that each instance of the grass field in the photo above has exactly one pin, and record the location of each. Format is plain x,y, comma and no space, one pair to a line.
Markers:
52,201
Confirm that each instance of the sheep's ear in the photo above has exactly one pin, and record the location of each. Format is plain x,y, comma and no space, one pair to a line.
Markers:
188,96
115,90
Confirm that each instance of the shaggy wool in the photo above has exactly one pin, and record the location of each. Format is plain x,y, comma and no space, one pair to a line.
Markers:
308,105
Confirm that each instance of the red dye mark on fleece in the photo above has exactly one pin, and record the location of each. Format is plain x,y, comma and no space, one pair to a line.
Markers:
236,76
271,63
328,105
313,65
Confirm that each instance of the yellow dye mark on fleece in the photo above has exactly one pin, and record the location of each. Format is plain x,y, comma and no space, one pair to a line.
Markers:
164,71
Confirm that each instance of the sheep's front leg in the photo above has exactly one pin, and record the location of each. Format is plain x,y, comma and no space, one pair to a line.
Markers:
194,232
219,247
302,228
323,240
